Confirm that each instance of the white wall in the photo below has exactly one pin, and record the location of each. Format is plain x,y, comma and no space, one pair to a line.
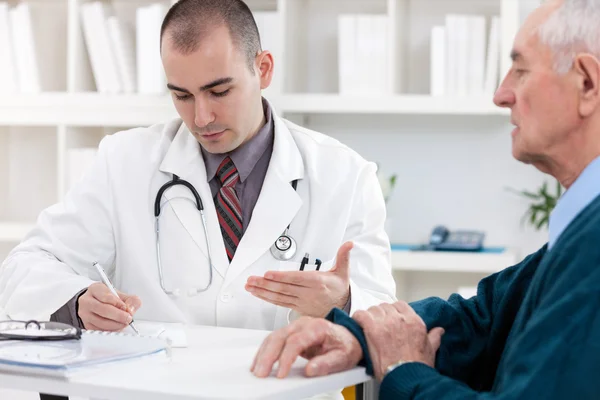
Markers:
451,170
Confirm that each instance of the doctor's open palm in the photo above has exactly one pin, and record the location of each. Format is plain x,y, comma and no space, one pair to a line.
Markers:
309,293
99,309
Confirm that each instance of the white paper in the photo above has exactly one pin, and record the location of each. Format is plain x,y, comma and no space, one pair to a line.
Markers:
168,331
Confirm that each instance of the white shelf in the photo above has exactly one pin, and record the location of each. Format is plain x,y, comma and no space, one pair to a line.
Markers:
14,232
85,109
485,263
398,104
93,109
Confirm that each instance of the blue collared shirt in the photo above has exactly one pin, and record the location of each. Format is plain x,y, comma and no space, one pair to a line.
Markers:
581,193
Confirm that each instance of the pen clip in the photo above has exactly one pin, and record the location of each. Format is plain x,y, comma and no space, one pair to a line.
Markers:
318,263
304,262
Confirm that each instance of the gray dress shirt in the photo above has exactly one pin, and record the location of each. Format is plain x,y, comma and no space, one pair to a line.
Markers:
251,160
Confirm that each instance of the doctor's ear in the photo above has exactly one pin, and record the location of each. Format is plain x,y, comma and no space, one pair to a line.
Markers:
264,66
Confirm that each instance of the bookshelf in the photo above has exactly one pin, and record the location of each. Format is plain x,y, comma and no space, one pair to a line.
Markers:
93,109
37,130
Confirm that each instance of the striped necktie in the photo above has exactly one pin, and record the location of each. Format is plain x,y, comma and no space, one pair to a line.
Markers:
229,209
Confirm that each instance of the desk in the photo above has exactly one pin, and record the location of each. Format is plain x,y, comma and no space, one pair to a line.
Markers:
216,365
488,261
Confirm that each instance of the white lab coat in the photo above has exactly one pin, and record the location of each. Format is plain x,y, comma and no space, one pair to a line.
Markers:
108,217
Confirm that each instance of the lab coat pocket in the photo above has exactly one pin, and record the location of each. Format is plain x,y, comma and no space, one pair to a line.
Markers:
311,266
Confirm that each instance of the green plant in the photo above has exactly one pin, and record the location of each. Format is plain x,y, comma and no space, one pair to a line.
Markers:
543,202
387,185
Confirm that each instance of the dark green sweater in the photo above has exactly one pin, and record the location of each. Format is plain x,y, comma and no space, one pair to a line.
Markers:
532,331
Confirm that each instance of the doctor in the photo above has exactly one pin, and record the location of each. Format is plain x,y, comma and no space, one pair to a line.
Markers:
257,177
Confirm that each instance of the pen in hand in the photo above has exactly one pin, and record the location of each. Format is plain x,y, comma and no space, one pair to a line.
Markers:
110,286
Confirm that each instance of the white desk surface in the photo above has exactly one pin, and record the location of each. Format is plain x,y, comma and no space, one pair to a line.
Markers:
216,365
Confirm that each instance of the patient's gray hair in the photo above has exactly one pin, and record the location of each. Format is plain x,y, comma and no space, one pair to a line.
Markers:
574,27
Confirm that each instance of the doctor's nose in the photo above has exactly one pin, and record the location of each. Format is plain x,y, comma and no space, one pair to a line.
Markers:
203,115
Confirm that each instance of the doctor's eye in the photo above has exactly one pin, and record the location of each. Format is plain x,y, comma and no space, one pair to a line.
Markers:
221,94
185,97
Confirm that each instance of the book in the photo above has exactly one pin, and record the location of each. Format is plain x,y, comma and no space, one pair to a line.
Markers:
102,54
477,55
451,53
65,358
493,58
150,73
438,61
267,23
24,46
123,44
363,55
8,72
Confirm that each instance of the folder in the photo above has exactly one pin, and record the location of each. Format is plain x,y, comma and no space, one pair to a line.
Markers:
64,358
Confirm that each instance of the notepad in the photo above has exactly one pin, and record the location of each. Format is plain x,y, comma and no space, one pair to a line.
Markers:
67,357
172,332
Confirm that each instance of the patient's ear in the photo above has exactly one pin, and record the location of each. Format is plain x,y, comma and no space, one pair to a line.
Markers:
587,68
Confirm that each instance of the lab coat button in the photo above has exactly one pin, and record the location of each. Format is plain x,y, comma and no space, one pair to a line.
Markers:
225,297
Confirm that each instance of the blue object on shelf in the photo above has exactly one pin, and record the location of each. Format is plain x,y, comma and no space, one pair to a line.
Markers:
413,247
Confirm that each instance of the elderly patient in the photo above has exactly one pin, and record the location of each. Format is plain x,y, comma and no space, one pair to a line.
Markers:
533,330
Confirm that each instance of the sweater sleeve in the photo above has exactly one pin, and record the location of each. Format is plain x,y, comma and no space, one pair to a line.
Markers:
555,357
476,329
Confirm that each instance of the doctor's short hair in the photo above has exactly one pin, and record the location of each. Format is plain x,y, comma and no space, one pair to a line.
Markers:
572,28
188,22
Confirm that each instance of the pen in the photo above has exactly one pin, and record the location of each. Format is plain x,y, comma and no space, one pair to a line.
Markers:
304,262
110,286
318,262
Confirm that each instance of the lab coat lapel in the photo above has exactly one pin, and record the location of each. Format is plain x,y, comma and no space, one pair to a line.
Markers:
184,159
277,203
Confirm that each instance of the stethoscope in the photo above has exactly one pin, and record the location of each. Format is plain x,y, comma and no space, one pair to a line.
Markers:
283,249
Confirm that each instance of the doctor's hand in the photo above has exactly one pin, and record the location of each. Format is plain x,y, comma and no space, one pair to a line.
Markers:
99,309
309,293
330,348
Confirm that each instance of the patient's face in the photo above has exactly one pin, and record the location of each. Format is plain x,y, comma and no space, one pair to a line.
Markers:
543,103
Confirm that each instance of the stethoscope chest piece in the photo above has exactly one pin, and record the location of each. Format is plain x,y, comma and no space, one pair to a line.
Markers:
284,248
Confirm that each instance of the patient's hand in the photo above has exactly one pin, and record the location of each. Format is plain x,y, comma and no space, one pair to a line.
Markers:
99,309
396,333
330,348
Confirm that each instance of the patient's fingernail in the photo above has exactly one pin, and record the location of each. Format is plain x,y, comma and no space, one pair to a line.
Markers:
268,276
129,319
312,369
132,309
